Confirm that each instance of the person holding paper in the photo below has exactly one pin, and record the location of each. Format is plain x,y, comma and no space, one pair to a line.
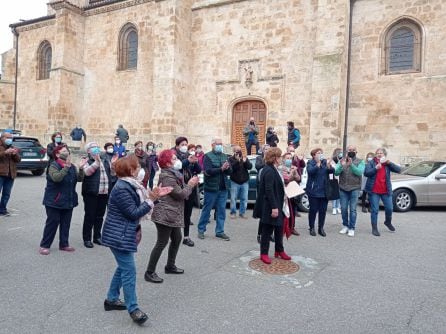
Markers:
289,174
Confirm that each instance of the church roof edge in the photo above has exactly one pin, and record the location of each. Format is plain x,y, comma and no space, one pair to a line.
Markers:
27,22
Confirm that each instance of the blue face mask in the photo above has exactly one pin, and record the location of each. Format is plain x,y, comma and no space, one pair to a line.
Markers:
58,140
218,148
8,141
95,150
288,163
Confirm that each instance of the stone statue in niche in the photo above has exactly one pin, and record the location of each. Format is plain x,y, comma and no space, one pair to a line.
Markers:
248,75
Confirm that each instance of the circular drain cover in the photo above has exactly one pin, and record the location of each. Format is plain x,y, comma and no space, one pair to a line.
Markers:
277,266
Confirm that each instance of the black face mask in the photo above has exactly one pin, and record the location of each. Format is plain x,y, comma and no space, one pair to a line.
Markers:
252,123
335,159
351,155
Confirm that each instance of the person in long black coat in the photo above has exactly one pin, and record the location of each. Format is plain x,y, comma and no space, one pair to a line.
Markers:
269,205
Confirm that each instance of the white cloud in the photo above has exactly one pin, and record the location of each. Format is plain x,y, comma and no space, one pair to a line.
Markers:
14,11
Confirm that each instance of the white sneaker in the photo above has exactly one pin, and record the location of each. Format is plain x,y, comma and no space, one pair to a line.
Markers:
344,230
339,210
335,211
351,233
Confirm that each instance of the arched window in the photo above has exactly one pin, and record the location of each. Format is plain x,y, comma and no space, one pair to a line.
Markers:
128,47
44,56
403,47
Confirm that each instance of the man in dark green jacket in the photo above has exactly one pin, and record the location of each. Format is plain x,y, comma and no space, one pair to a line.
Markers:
216,185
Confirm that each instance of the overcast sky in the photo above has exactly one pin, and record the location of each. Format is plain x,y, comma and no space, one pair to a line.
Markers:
13,11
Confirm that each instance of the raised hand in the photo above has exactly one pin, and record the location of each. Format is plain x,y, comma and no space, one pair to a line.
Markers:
193,181
82,163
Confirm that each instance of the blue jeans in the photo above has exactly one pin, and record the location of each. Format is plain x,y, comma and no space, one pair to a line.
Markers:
211,200
335,204
374,206
349,200
6,184
125,277
241,191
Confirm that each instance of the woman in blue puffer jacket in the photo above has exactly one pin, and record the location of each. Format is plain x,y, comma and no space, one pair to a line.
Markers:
129,202
318,169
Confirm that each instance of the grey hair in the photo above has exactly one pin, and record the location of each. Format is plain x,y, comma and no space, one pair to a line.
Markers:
214,140
89,145
382,149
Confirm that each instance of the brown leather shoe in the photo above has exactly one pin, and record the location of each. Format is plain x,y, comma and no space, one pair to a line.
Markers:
294,232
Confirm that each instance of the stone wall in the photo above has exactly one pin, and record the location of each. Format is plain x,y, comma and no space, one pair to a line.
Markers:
404,112
7,89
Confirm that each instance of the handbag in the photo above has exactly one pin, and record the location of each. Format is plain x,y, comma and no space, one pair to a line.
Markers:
138,234
332,189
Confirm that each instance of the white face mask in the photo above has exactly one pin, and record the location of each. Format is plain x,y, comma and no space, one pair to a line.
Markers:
198,150
183,149
178,165
110,150
383,159
192,152
141,175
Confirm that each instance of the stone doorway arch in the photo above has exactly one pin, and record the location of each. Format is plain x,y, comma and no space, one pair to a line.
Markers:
241,112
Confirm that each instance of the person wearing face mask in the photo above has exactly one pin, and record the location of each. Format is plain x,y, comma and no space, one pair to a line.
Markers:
200,155
128,208
9,158
239,182
152,162
181,148
350,170
269,206
119,148
142,156
251,134
168,215
364,202
96,187
56,140
60,198
191,168
379,186
109,154
289,174
216,185
336,157
318,169
271,137
298,161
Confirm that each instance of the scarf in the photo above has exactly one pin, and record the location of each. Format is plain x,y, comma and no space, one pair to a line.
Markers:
60,162
141,191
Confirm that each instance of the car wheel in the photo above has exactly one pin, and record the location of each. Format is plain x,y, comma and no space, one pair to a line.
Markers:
304,203
403,200
38,172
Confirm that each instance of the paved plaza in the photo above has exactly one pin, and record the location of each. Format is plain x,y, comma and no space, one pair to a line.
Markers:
392,284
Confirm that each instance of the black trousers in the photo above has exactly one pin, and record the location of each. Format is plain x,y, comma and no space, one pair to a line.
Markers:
188,207
317,206
249,145
267,230
164,233
94,207
56,218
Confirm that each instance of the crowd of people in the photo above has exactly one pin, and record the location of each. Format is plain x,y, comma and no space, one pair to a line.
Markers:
119,185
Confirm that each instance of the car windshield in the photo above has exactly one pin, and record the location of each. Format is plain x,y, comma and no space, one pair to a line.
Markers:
25,143
423,168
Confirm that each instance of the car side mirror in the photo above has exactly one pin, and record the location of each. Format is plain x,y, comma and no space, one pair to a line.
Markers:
440,177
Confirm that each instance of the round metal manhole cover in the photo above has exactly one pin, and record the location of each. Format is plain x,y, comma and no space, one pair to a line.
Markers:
277,267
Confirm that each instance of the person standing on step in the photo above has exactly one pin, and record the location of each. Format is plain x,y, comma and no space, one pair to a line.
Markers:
350,170
251,134
379,186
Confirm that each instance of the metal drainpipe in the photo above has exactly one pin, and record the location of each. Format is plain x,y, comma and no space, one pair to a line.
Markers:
16,34
349,60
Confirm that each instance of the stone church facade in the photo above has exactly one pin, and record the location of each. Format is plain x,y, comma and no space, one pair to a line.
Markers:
201,68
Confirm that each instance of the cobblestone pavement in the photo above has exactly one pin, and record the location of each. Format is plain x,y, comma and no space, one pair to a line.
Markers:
392,284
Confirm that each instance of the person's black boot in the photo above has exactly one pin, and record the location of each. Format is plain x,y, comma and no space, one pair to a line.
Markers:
152,277
375,231
321,232
312,232
388,223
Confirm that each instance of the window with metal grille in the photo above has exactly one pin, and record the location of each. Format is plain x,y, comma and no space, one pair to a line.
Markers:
403,48
44,56
128,48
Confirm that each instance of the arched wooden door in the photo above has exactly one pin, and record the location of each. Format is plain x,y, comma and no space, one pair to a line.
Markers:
240,116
